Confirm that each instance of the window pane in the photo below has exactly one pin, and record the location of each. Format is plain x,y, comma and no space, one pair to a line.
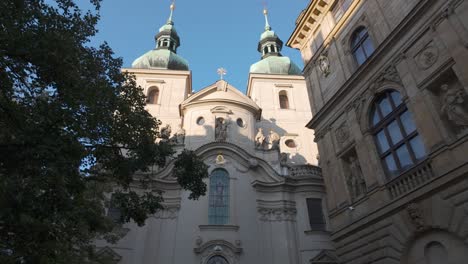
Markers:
396,98
385,107
218,211
316,219
383,143
407,122
368,47
375,117
395,133
391,165
418,147
360,56
404,157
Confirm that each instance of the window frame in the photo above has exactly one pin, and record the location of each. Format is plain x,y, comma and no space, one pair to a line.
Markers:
339,8
151,90
354,47
284,94
383,125
214,216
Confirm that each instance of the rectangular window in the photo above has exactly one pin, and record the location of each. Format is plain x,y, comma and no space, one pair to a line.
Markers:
340,8
316,217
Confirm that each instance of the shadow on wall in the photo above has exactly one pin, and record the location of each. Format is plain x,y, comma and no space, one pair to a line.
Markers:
236,133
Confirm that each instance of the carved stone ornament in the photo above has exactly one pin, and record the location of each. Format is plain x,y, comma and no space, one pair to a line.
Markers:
166,132
416,216
260,139
390,74
427,57
221,129
220,159
167,213
273,140
454,105
354,179
323,64
218,249
282,214
179,136
342,134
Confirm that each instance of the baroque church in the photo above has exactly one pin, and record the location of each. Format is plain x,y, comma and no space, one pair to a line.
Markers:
265,198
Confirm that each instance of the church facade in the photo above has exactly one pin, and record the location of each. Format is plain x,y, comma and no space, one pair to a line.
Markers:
388,82
266,198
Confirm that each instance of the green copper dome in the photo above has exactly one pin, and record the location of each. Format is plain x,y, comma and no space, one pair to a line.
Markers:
276,65
164,56
272,61
161,59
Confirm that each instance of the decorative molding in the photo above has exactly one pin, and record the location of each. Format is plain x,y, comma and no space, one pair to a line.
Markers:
342,134
222,110
277,211
323,63
416,216
283,85
427,57
218,248
167,213
108,255
219,227
390,74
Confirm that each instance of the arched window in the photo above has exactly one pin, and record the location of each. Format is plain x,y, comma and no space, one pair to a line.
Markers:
283,99
361,45
217,260
218,210
399,144
435,253
153,95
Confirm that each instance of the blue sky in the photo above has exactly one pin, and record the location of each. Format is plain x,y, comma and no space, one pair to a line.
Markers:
213,33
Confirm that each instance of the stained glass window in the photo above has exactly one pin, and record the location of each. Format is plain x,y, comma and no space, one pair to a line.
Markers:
218,211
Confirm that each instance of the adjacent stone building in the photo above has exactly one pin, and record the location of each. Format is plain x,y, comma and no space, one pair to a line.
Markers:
388,85
265,200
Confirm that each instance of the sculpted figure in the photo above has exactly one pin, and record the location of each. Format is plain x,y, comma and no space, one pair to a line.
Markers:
453,105
259,139
356,183
221,129
166,132
283,159
179,136
273,140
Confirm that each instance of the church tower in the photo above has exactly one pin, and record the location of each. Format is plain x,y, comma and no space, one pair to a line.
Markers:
276,84
164,75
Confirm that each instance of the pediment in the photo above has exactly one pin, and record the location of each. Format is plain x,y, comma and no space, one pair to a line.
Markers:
108,255
221,93
325,257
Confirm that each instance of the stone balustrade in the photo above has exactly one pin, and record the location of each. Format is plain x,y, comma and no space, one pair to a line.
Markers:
410,180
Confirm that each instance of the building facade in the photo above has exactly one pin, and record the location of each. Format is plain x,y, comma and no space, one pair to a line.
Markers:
265,199
388,85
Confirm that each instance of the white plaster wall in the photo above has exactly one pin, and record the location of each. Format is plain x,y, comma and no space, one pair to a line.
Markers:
288,123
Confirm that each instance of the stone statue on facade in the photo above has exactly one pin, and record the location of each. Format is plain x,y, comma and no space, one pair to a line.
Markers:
453,105
259,139
356,183
273,140
179,136
283,159
166,132
221,129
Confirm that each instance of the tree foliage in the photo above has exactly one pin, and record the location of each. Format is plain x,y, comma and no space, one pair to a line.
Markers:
72,127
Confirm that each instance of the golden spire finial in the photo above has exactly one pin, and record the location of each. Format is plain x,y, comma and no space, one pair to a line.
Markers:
172,7
267,24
